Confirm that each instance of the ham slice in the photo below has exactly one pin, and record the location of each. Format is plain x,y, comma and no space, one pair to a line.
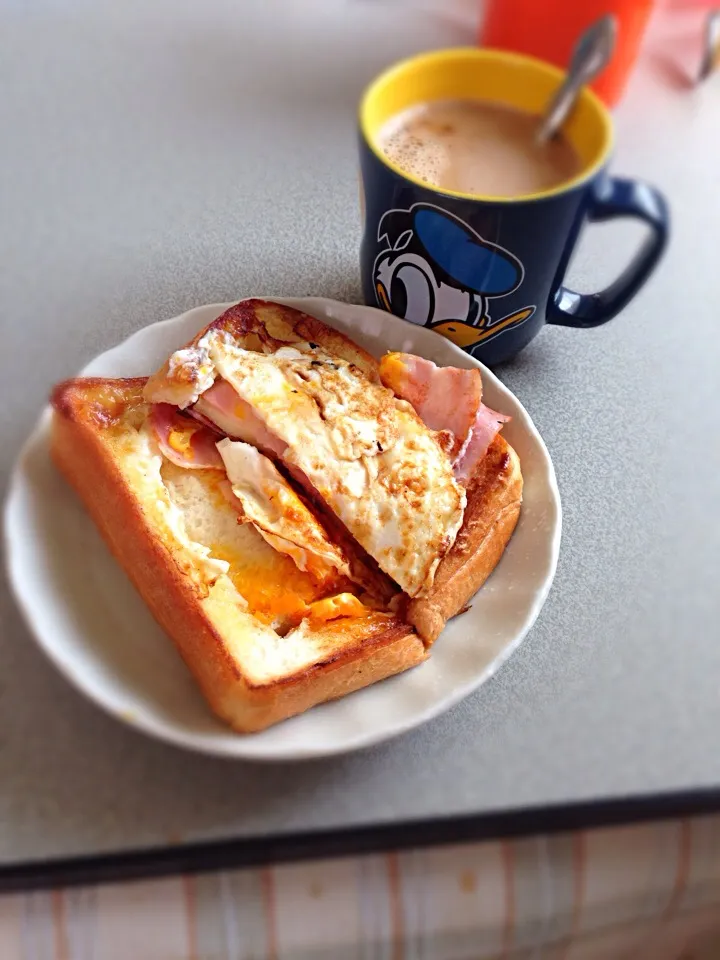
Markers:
235,417
486,427
445,398
183,442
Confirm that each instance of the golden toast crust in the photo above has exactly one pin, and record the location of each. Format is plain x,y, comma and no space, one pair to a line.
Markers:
492,511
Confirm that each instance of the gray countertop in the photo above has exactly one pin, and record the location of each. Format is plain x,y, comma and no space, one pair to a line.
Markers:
159,155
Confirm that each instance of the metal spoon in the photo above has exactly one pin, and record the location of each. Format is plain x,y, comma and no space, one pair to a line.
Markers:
592,53
711,51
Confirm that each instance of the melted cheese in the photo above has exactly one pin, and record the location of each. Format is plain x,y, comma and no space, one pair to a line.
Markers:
276,591
341,605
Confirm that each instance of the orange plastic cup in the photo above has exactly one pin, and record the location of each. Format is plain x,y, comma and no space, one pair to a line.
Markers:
549,29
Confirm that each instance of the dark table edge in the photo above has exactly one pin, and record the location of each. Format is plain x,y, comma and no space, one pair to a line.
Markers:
285,848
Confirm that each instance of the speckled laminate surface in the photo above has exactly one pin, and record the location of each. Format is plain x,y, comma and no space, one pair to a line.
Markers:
164,154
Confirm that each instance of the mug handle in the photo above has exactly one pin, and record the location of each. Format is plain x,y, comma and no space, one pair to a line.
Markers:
619,198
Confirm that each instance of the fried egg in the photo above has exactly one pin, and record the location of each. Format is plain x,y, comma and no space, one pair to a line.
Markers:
363,451
277,512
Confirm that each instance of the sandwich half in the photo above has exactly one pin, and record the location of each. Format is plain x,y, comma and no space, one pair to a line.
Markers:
300,518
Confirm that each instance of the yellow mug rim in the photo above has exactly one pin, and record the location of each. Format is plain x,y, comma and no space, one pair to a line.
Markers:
485,53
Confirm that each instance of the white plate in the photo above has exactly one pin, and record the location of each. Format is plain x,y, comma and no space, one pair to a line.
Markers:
91,623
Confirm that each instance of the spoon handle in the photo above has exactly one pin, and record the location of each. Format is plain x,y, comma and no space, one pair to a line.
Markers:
711,52
591,55
558,109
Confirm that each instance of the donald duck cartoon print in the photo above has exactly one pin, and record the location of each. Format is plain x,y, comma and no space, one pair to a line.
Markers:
434,270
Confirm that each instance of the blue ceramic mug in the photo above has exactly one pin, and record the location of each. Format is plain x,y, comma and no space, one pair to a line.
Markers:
488,272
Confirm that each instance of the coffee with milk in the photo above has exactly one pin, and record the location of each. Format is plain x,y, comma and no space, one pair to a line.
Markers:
477,147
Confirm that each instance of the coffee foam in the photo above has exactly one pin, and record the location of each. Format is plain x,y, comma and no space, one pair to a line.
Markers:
476,147
417,156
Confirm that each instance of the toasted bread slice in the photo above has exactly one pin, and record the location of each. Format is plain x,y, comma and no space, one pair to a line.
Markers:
223,594
214,585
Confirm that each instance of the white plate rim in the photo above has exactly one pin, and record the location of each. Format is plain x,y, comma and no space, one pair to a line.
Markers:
240,746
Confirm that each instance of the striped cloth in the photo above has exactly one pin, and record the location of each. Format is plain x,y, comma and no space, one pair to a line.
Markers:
632,892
